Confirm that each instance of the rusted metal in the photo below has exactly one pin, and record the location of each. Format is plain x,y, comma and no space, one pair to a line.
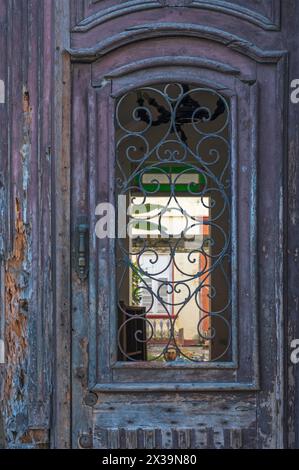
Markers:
91,399
85,441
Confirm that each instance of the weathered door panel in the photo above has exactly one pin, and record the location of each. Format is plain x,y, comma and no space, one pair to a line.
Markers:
169,421
228,404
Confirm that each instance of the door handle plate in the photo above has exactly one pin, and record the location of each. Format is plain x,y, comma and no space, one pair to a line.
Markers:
82,248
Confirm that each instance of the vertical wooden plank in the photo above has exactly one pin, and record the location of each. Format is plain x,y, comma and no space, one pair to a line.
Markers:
93,272
200,439
290,23
40,212
184,438
218,438
149,439
166,438
235,438
271,402
113,440
82,302
61,175
140,438
131,438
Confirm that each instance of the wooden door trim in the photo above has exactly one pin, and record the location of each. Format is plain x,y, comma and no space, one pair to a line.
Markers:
164,29
232,383
61,400
86,22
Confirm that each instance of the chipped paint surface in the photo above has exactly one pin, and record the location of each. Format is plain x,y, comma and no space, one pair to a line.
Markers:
16,332
25,240
35,220
17,298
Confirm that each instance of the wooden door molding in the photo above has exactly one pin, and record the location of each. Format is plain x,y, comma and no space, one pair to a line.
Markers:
106,14
266,14
153,30
226,376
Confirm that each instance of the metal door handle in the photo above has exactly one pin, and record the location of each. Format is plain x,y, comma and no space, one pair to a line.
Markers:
82,252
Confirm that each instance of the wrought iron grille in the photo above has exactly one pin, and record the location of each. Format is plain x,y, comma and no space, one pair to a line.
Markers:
174,264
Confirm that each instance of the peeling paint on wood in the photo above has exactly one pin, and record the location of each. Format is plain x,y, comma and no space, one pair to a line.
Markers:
25,209
16,315
249,42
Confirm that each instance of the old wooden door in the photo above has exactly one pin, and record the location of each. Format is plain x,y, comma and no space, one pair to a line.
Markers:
180,100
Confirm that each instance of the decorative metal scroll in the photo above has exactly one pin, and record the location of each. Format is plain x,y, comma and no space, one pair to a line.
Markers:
173,145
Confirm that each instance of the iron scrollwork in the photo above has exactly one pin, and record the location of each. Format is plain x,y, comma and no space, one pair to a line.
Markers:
173,144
